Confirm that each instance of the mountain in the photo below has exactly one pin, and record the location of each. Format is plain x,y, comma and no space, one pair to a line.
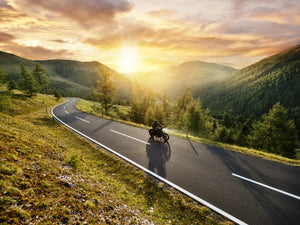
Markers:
256,88
67,75
175,79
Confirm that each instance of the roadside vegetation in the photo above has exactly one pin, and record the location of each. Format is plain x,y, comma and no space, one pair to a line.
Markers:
50,175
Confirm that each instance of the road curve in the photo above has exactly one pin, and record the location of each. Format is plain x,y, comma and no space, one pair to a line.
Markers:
245,189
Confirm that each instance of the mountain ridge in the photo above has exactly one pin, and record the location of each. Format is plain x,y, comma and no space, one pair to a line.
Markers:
173,80
68,75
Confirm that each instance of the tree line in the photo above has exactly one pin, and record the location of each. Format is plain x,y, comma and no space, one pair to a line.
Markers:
30,83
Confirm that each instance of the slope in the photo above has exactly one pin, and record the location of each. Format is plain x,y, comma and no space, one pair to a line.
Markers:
49,175
67,75
256,88
175,79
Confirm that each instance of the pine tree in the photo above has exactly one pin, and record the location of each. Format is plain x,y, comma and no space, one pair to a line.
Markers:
107,89
11,84
195,117
27,83
3,76
229,120
275,133
180,114
184,100
56,95
39,73
245,130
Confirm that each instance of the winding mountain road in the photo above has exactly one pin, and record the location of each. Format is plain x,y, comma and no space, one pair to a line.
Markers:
245,189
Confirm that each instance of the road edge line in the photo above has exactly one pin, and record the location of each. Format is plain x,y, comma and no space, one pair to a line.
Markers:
196,198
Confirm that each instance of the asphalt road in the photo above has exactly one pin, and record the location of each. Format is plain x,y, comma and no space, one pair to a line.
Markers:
246,189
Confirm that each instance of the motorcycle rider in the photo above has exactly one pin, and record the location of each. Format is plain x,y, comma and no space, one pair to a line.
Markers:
156,126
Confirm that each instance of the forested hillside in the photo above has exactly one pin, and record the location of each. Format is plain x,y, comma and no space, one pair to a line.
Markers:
256,88
175,79
67,76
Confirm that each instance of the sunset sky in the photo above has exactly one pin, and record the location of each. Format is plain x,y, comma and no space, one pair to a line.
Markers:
145,35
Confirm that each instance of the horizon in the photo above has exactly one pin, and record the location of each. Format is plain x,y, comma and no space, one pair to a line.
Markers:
144,36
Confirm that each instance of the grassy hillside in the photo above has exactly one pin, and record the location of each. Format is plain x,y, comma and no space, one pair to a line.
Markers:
174,80
256,88
68,75
49,175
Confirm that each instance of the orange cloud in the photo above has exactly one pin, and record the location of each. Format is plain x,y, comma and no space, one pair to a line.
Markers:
82,11
4,4
6,38
272,16
8,14
37,52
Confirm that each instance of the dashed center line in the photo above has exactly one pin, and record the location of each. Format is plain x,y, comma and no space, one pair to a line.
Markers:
82,119
267,186
130,137
66,112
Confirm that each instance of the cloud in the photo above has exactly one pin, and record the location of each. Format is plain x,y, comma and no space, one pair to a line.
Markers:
176,39
9,14
162,13
128,33
6,37
37,52
4,4
82,11
60,41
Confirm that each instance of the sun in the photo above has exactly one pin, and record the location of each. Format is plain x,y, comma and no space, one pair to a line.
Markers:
129,58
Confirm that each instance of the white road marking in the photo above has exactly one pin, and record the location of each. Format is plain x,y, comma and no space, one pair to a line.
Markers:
82,119
200,200
64,107
66,112
267,186
130,137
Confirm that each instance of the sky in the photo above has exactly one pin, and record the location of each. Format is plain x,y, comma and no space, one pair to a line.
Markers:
146,35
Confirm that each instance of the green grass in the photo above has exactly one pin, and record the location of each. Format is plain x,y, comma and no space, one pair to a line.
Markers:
117,112
89,107
50,175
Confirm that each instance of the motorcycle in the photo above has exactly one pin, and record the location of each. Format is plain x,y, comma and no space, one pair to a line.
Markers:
159,133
